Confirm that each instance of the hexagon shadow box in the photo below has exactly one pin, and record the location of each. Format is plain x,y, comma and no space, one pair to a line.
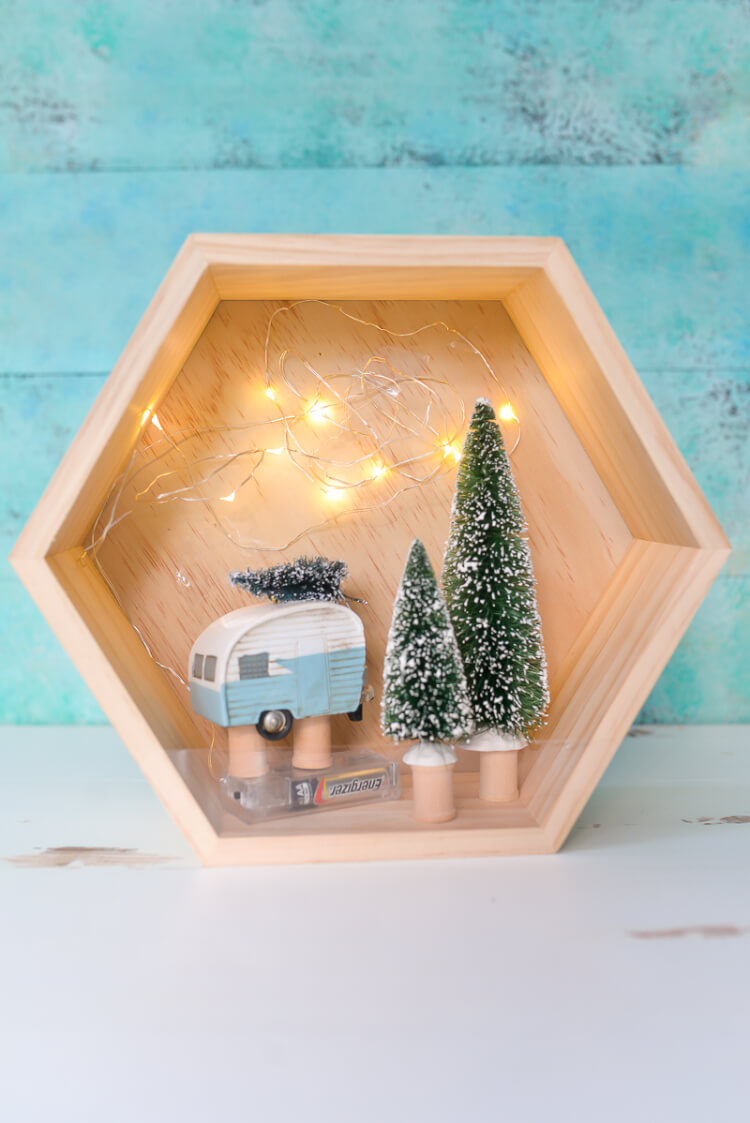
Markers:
171,483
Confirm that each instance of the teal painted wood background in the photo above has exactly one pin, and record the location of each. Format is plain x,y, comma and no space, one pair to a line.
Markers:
623,126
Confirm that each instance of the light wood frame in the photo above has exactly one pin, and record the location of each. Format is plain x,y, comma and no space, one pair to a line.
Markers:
675,548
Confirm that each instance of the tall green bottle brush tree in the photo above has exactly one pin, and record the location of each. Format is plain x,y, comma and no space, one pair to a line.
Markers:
490,591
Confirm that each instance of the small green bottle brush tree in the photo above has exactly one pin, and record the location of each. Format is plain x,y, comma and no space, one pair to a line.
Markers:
424,689
304,579
490,592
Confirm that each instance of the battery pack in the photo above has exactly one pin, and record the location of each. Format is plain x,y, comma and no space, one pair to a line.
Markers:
359,776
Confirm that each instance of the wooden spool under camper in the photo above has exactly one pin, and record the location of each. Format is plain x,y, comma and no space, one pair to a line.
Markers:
247,752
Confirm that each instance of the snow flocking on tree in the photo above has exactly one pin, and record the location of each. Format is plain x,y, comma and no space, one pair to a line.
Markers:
305,579
424,693
490,587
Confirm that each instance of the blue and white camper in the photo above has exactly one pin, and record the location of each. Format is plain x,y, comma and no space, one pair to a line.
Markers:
267,664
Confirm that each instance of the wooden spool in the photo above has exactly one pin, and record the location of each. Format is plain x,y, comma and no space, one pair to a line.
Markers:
312,743
247,752
433,794
498,776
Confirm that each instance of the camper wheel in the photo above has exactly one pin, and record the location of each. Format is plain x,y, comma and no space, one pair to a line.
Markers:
274,724
356,715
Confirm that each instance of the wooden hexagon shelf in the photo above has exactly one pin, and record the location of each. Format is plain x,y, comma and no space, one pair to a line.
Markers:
624,544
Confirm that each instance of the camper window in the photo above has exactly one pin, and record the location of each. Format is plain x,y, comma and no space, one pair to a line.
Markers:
209,668
197,666
254,666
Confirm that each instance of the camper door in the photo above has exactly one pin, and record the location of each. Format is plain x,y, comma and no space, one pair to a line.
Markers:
313,691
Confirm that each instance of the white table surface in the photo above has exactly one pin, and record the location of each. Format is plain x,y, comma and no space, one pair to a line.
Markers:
609,982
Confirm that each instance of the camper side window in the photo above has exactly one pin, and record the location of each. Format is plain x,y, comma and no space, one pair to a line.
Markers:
197,666
209,668
254,666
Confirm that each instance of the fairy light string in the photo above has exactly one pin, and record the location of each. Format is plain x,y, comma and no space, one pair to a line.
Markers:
345,432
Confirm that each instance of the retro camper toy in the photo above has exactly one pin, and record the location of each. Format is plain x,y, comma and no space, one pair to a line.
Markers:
271,665
272,669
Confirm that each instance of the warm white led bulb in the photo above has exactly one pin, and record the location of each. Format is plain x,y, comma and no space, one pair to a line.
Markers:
319,412
507,414
229,498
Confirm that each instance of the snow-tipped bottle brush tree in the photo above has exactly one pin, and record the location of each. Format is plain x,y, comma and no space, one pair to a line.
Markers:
304,579
490,592
424,689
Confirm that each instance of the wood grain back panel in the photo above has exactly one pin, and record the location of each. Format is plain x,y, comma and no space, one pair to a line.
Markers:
168,561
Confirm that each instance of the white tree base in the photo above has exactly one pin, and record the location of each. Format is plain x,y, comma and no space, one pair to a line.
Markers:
430,754
493,741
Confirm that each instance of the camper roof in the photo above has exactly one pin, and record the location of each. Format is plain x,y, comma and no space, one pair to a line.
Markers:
220,636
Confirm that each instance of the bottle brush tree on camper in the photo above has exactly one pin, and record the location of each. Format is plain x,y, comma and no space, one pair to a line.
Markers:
490,588
424,690
304,579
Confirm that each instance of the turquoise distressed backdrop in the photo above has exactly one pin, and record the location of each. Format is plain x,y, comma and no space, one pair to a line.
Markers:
623,126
